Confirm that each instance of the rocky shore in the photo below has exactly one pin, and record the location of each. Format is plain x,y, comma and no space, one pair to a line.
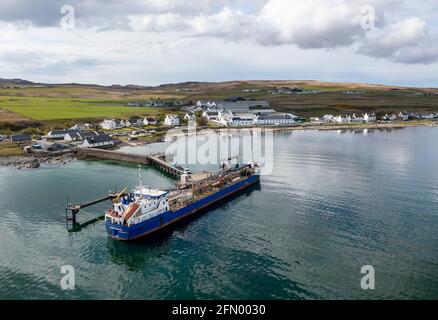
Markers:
34,162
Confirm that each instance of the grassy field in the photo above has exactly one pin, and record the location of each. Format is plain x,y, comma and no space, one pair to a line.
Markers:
58,105
43,108
8,149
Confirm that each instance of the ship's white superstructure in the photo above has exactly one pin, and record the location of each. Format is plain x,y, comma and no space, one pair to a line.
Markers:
141,204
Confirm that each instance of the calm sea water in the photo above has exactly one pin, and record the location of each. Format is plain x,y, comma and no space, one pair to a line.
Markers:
334,203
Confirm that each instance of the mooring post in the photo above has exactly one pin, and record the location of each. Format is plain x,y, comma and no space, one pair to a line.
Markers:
73,216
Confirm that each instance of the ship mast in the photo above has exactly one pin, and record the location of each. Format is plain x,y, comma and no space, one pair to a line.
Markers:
140,176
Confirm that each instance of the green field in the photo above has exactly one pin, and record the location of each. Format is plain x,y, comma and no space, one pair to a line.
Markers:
55,105
43,108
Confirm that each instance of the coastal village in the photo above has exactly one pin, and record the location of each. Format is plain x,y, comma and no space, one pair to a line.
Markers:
231,112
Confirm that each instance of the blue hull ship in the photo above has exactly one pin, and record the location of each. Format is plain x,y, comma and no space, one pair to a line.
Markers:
145,211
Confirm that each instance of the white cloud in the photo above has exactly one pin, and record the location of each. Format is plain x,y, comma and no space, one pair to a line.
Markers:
320,24
407,41
227,23
310,24
175,40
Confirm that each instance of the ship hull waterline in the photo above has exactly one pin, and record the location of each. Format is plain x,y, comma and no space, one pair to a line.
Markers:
169,218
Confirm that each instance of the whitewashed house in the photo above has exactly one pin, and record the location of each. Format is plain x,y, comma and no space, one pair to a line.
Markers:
81,127
341,119
206,104
190,117
224,117
136,121
369,117
276,119
149,121
391,117
355,118
108,124
80,135
99,141
211,115
114,124
171,120
246,120
59,134
315,120
328,118
403,116
428,116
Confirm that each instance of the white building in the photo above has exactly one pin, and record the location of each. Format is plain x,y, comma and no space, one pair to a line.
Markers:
206,104
81,127
316,120
59,134
190,117
149,121
114,124
369,117
80,135
171,120
355,118
99,141
327,118
136,121
212,115
391,117
276,119
225,116
242,121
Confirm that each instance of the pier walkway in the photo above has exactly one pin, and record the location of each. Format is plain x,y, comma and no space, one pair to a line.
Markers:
158,160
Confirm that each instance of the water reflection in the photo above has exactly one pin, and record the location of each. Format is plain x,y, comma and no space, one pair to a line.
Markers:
137,255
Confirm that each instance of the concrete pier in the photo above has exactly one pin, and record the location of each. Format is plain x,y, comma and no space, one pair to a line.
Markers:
158,161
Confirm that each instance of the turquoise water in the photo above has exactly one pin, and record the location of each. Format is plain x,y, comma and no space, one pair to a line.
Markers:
334,203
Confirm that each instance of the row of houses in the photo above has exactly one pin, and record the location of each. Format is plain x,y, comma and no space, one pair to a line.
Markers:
364,118
150,103
89,139
406,116
369,118
294,90
18,138
228,118
111,124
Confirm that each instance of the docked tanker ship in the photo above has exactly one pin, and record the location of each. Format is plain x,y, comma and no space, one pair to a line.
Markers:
144,210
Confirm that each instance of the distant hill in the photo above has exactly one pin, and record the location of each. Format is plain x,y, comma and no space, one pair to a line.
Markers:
317,97
225,85
16,81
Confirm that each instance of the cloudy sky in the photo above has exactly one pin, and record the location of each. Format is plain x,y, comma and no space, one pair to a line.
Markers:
151,42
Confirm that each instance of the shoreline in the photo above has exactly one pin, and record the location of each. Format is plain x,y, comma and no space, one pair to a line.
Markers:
328,127
318,127
35,161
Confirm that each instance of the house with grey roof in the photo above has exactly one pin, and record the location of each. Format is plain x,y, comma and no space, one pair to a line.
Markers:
21,138
276,119
80,135
148,121
249,106
100,141
59,134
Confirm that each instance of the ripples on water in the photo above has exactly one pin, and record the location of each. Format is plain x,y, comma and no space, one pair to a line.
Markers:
334,203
